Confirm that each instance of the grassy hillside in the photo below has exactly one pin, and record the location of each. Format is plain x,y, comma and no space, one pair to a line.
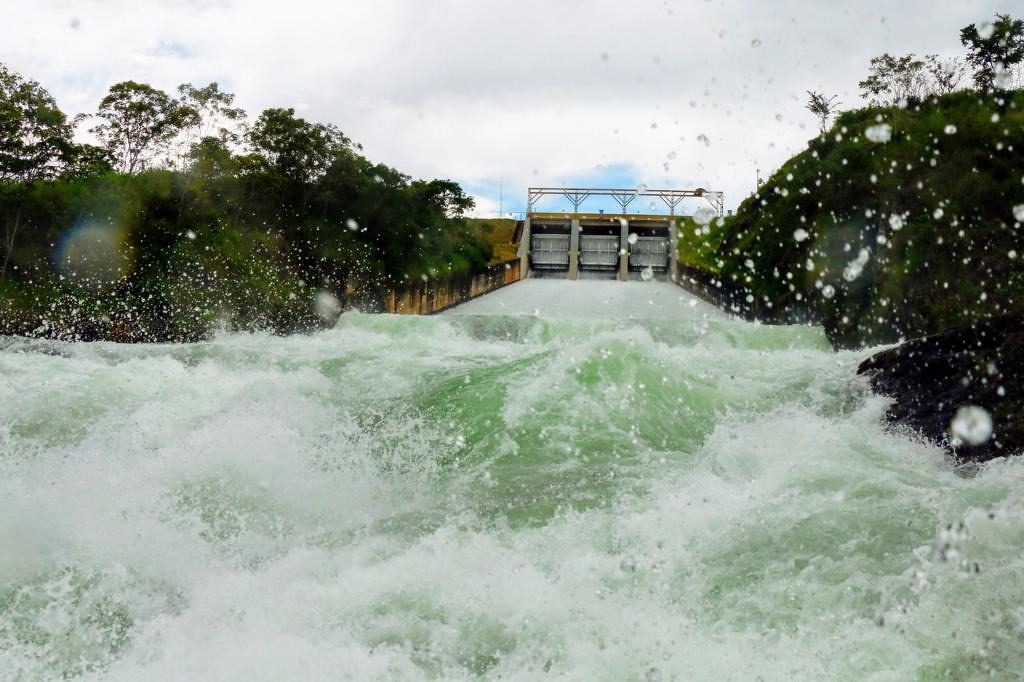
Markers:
894,224
498,232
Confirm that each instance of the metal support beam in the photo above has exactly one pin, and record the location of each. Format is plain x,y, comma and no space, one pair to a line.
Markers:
576,197
574,249
624,197
623,250
671,200
673,249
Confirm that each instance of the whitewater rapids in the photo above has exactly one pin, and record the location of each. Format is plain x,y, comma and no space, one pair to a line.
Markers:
565,480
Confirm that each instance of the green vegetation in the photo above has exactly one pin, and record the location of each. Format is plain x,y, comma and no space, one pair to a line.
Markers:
902,219
897,223
188,218
499,232
699,244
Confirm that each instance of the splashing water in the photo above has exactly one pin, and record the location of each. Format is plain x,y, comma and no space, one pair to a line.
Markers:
631,486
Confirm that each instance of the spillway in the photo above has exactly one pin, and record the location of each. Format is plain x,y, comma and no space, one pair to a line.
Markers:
565,479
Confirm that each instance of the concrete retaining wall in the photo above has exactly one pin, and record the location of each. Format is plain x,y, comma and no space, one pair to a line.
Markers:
431,297
709,287
736,300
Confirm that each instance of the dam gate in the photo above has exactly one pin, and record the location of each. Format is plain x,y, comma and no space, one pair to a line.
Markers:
623,246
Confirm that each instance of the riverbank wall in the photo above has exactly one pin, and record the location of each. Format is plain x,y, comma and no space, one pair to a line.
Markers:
736,300
427,298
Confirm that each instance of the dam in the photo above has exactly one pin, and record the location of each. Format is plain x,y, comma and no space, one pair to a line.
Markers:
610,246
581,245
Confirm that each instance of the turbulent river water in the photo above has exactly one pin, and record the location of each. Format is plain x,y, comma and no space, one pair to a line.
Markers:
566,480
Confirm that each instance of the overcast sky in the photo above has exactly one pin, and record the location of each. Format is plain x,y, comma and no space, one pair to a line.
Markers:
519,93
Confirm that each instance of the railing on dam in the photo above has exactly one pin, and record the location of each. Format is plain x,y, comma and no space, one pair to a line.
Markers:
434,296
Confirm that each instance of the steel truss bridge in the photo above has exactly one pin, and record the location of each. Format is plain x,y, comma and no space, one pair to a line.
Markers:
624,197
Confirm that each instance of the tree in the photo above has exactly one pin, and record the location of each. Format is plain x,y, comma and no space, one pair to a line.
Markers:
211,158
894,79
216,118
822,107
444,196
139,121
299,150
945,74
993,49
35,136
86,161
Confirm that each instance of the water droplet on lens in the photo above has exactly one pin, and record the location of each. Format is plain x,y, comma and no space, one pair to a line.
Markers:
703,215
971,425
881,133
326,306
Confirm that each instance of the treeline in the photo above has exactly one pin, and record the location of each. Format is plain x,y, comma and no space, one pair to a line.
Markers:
904,222
187,215
902,219
993,60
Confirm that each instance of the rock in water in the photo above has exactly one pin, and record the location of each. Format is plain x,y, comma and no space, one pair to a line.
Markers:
974,366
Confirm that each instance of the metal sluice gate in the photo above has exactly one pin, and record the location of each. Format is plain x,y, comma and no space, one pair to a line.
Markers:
604,246
599,252
549,251
649,252
598,247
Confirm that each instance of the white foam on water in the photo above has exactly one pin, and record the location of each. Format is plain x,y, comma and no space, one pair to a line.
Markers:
590,299
492,494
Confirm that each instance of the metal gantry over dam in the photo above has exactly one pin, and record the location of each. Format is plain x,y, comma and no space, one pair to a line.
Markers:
601,245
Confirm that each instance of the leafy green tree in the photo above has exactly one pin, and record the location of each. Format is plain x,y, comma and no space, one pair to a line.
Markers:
299,150
246,238
446,197
210,158
945,74
35,136
217,118
86,160
824,108
891,80
993,49
139,121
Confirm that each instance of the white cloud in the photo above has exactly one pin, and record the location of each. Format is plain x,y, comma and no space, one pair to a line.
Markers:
533,92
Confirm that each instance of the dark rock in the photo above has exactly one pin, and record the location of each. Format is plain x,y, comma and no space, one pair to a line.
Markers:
931,377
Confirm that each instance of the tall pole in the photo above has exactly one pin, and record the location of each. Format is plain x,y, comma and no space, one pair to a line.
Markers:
501,197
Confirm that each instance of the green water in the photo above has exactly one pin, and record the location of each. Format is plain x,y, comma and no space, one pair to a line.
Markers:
582,481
